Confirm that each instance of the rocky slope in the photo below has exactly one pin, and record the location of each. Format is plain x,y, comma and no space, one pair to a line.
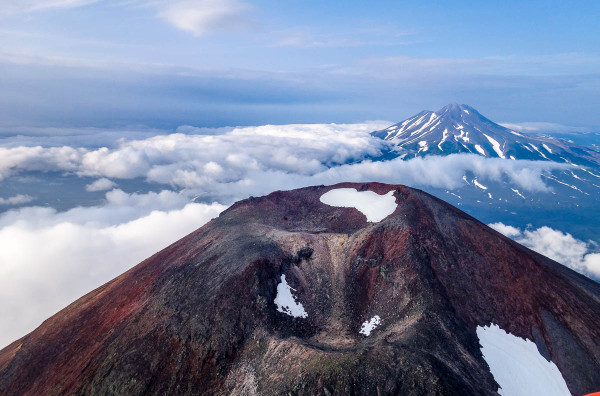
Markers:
390,307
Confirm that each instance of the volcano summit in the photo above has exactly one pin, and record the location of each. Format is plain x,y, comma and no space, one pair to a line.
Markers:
353,289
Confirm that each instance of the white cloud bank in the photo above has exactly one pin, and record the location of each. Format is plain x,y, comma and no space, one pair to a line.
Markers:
54,258
246,161
557,245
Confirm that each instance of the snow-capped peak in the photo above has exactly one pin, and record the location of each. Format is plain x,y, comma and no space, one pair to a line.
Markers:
459,128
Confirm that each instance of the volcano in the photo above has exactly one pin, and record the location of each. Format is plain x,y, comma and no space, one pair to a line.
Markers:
462,129
352,289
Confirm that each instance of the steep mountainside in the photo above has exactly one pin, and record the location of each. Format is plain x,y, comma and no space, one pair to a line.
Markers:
292,293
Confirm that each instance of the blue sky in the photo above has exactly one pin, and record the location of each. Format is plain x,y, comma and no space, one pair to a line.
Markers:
232,62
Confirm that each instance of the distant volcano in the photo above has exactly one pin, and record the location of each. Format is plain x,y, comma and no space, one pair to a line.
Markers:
462,129
353,289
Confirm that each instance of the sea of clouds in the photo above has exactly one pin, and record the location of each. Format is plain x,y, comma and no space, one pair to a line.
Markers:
50,258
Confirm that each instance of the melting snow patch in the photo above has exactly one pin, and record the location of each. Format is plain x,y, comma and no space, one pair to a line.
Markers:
374,206
479,184
480,149
518,193
286,302
547,148
495,146
369,325
517,366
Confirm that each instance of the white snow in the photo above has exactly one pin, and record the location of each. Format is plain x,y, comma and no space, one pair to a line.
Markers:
547,148
563,183
517,366
490,195
538,150
479,184
495,146
576,177
466,111
444,137
518,193
374,206
480,149
512,157
451,193
465,179
369,325
286,302
423,146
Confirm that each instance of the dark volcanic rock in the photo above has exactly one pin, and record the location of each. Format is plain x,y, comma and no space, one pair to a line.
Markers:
199,317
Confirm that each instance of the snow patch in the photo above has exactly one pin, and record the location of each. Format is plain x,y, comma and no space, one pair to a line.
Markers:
517,365
518,193
538,150
479,184
286,302
369,325
480,149
374,206
495,146
547,148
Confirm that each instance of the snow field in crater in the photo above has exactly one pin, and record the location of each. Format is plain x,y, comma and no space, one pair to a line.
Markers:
286,302
517,365
369,325
374,206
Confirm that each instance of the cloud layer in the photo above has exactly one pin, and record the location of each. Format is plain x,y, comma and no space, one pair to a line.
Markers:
54,258
559,246
227,164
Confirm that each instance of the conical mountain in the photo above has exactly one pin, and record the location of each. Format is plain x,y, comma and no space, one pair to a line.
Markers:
462,129
353,289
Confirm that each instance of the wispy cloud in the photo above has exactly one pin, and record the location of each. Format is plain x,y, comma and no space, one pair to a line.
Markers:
544,127
16,199
198,17
203,16
9,7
